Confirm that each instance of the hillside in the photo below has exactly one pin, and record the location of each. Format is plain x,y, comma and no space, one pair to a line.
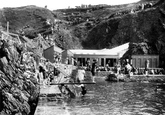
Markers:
68,28
101,26
92,26
27,20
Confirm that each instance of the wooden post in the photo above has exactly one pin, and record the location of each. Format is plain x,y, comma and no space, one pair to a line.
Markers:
7,27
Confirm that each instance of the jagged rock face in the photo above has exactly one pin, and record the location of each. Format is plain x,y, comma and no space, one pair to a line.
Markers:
18,92
142,26
29,20
101,36
147,26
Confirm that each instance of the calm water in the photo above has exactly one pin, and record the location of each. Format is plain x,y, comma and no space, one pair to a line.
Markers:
105,98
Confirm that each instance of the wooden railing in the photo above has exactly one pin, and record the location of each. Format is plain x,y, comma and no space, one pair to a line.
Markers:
150,70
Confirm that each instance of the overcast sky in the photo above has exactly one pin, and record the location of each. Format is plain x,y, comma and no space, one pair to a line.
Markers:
60,4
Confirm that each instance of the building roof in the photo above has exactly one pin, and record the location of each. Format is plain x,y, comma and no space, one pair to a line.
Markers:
57,49
114,51
84,51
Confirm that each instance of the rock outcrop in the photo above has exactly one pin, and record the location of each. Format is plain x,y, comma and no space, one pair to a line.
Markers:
19,90
140,26
143,27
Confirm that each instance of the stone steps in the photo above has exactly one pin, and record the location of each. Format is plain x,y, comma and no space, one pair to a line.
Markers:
49,96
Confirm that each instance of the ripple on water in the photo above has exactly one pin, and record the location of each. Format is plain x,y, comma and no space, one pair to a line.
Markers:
106,98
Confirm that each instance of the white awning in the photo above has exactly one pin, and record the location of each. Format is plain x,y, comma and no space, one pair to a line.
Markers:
119,50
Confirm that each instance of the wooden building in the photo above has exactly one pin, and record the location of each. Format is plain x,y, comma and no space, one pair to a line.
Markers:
102,56
139,61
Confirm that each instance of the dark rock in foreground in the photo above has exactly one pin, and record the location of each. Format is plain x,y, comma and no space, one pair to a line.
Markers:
18,91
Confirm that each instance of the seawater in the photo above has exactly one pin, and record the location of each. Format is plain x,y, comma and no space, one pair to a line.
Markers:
107,98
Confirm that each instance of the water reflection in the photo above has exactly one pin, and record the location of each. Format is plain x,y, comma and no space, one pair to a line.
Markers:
107,98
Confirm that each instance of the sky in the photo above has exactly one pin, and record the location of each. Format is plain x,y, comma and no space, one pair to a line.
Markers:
60,4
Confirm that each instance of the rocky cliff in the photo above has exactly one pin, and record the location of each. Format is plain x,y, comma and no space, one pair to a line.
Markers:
19,88
144,25
144,28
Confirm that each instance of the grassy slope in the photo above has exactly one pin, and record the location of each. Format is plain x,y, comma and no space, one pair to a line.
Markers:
31,16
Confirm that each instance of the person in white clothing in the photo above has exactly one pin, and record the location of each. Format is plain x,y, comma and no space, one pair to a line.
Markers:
80,77
128,68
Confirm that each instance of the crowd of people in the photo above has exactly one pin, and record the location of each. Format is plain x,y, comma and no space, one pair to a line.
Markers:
46,72
122,67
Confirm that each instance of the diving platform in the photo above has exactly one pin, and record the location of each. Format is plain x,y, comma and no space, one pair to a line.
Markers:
73,83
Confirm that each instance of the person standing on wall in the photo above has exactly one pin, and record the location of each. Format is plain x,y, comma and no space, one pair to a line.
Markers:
147,63
128,67
93,70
